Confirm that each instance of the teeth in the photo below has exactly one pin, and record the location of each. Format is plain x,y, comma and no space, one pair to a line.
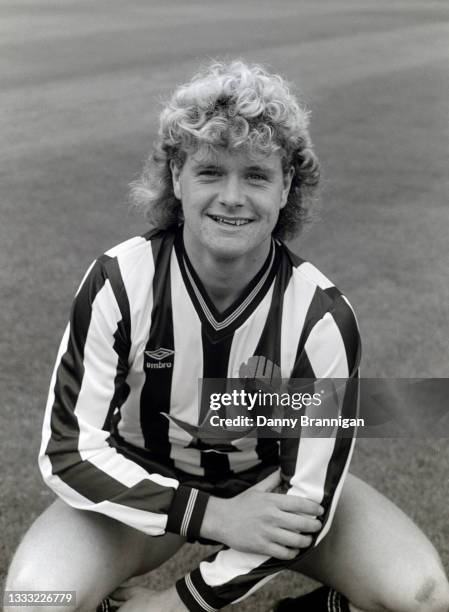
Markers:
230,221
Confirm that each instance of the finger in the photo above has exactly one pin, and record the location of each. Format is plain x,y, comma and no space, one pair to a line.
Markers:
299,523
269,483
124,593
296,504
282,552
292,539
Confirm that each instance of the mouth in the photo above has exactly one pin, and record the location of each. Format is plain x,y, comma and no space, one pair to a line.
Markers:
233,221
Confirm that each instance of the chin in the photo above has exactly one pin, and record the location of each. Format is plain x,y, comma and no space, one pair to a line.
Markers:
227,247
227,251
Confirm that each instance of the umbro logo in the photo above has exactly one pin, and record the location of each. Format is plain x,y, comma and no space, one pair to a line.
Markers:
156,359
159,354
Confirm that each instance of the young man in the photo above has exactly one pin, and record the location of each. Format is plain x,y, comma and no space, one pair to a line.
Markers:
212,292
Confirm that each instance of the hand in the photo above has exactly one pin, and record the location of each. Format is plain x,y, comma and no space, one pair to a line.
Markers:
261,522
137,599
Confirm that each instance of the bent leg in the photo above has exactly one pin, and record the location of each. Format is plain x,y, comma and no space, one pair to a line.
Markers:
377,557
86,552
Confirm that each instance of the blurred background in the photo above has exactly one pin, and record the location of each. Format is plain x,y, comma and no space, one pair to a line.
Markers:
82,84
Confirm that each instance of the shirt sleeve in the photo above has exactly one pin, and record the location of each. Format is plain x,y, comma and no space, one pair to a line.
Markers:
78,459
313,467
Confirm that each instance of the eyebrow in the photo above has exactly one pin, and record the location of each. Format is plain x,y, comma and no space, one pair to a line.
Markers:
259,168
204,165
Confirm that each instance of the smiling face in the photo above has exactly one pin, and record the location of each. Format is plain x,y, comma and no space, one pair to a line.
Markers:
231,202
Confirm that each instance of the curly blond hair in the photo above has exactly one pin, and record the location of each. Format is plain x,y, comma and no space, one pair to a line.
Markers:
233,105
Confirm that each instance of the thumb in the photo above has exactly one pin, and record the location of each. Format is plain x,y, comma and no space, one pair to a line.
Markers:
269,483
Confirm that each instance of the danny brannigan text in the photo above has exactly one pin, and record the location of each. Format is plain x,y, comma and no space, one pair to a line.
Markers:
337,422
303,421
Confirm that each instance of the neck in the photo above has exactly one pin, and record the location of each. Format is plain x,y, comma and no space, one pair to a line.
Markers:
226,279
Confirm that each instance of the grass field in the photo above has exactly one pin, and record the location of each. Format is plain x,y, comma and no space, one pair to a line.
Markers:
81,84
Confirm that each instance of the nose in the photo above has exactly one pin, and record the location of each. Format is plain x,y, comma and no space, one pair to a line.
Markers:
231,193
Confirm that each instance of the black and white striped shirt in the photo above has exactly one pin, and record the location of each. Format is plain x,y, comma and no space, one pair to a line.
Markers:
124,394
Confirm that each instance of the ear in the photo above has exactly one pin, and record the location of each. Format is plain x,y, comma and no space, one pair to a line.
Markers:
288,177
176,175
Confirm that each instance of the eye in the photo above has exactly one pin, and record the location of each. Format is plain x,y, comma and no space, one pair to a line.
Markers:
209,172
256,176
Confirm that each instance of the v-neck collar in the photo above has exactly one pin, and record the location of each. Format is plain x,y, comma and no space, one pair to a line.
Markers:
220,324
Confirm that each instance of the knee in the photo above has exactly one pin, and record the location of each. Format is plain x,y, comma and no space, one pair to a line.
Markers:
427,593
432,594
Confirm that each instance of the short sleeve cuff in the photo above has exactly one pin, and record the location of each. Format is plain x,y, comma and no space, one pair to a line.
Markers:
196,595
186,512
